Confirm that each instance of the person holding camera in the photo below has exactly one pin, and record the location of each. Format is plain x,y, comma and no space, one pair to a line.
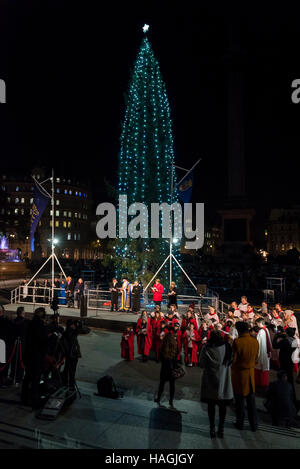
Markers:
169,353
36,347
73,353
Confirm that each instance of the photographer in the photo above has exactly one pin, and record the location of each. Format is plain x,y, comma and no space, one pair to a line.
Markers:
72,349
6,334
36,346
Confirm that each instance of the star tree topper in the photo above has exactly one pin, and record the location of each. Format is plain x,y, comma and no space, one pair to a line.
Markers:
146,28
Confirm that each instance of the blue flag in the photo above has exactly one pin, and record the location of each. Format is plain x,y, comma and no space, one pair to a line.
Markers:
40,202
185,188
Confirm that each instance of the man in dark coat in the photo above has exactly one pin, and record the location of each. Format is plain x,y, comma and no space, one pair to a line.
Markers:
79,291
114,293
286,344
136,297
6,334
20,325
280,401
72,349
34,358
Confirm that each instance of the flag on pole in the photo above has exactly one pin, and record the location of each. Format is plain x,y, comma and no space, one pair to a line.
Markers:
185,188
40,202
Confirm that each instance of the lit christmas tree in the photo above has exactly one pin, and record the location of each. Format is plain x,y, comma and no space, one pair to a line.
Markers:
145,165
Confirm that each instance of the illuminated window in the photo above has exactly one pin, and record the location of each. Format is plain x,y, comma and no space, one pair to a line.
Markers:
31,201
75,236
66,191
17,200
57,213
79,215
69,236
22,211
22,200
57,202
78,236
69,224
50,223
57,179
70,214
76,215
58,190
65,224
17,188
8,199
57,223
70,192
65,214
16,211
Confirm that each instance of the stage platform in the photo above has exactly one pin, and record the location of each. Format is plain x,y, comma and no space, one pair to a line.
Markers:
100,318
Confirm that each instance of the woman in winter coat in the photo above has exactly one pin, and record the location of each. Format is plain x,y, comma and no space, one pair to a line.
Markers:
169,352
216,387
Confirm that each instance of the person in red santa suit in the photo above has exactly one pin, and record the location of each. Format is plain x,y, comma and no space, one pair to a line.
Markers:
157,290
144,335
264,354
127,344
190,342
211,315
187,320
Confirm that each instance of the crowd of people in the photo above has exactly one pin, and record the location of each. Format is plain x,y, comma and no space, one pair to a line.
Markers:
38,351
236,351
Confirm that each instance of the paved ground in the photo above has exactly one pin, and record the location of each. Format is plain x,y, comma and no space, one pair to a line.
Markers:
132,422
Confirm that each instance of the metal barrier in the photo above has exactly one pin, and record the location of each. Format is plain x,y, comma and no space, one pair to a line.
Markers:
36,295
101,299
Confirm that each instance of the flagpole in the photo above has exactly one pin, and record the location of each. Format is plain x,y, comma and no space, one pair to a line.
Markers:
53,232
171,234
188,171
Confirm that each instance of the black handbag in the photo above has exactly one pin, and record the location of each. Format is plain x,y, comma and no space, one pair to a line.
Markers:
178,372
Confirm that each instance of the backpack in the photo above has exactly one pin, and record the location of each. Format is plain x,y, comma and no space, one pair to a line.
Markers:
107,388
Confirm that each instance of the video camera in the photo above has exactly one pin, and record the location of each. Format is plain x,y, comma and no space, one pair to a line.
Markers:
54,304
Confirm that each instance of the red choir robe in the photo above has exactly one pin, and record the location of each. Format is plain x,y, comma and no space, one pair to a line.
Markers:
185,322
148,337
127,345
172,322
194,348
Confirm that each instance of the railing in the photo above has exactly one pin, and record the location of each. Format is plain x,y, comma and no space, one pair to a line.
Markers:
101,299
37,295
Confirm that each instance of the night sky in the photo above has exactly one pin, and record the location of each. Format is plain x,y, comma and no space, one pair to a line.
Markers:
67,66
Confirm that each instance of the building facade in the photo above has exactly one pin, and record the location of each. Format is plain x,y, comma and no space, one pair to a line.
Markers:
283,230
72,218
